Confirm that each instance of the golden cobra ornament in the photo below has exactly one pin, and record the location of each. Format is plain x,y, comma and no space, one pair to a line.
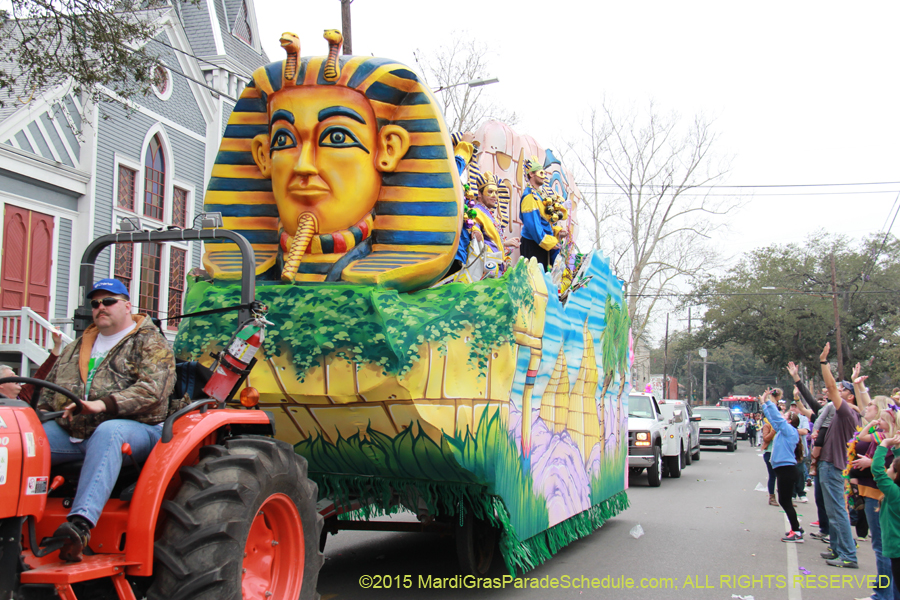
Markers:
307,227
332,66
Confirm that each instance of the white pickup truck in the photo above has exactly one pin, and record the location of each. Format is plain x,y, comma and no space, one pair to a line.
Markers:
651,444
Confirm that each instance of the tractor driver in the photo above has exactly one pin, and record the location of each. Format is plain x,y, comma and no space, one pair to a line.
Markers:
124,369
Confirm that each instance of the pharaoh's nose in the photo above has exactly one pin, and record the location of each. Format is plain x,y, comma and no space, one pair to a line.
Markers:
306,162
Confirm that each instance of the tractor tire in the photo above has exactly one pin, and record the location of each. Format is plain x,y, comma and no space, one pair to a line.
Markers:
243,525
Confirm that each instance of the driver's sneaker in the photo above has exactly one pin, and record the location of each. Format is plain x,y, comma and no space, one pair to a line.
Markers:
77,534
794,537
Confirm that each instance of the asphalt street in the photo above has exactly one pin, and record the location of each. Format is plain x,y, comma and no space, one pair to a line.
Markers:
707,535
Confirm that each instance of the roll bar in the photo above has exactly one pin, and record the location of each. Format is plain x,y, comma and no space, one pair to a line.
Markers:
83,315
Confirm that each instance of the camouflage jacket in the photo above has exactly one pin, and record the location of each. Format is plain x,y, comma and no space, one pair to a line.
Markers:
135,379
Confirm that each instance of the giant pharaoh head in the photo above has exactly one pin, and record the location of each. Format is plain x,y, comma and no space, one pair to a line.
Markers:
337,169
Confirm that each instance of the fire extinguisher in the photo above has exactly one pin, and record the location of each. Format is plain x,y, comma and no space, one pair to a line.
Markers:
233,364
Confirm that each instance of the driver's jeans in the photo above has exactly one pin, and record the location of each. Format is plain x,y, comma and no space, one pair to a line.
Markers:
102,455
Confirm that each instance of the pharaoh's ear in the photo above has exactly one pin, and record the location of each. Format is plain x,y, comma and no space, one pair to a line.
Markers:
259,147
393,142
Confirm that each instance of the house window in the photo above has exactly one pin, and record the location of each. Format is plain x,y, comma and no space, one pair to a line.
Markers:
177,258
154,180
125,263
125,198
151,263
179,207
161,79
242,25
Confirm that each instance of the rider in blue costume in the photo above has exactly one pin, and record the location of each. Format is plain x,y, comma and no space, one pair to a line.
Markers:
538,236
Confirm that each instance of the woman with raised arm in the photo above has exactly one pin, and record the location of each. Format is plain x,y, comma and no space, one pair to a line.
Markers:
786,453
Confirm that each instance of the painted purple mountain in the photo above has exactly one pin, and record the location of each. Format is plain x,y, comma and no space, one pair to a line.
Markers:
557,468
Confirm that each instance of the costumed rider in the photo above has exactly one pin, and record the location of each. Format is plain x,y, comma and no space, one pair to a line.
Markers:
124,369
540,211
485,220
464,152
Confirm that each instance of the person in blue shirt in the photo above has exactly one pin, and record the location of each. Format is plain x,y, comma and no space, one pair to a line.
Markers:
786,453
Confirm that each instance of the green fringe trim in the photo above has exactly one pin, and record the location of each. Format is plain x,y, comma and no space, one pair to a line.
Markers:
528,554
379,497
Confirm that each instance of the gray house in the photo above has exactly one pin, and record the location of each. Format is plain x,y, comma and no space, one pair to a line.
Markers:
71,170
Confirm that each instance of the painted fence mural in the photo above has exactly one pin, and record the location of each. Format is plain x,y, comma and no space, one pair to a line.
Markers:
493,396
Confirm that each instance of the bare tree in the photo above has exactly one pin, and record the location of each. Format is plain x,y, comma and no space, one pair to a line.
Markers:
448,70
648,200
92,43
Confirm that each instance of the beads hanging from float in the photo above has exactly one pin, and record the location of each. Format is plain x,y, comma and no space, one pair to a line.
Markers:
470,211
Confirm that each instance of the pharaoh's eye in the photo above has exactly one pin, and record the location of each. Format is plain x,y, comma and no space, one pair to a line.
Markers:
340,137
282,139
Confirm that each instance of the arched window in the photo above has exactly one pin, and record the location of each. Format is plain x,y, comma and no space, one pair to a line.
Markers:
154,180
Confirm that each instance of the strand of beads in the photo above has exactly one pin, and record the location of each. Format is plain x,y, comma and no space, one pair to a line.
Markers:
470,207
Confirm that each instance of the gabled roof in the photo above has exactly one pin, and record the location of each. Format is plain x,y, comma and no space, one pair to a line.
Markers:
210,26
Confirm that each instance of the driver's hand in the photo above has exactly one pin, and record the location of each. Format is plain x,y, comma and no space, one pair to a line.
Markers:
91,407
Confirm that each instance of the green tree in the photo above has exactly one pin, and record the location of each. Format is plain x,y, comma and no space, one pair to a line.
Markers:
794,317
733,368
93,43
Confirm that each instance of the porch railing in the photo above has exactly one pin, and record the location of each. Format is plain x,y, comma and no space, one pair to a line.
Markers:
28,333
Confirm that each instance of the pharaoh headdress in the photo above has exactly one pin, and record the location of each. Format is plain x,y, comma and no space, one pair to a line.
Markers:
418,212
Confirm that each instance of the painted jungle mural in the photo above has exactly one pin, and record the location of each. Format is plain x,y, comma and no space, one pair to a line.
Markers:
403,386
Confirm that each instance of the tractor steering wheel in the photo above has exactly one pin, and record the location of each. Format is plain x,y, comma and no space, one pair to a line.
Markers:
39,383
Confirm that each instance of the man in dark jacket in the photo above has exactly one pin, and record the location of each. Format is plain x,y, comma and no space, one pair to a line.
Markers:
124,370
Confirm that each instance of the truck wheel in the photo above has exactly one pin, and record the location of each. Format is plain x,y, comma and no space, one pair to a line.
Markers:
696,455
687,456
729,447
476,541
674,465
654,472
243,525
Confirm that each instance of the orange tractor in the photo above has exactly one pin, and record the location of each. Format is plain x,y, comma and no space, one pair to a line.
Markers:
220,509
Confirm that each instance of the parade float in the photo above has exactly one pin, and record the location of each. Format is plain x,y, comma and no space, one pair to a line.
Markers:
494,406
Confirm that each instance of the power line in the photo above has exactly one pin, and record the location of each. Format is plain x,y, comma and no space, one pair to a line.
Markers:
709,294
780,195
762,185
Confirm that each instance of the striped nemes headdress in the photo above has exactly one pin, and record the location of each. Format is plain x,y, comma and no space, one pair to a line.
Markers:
418,213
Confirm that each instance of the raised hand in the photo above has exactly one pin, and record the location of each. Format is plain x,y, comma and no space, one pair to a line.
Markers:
824,356
794,370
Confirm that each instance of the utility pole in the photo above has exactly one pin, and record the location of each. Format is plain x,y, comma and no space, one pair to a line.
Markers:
690,398
666,362
703,356
345,26
837,319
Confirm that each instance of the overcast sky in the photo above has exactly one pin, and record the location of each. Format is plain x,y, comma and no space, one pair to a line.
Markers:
802,92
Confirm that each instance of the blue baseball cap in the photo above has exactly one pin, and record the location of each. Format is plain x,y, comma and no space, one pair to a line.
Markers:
113,286
847,385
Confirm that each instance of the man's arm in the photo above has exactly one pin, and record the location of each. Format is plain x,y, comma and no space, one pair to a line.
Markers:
807,399
830,384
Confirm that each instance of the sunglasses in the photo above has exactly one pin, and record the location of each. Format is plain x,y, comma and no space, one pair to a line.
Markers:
95,304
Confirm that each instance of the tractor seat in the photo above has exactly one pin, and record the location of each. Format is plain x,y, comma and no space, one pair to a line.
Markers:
71,471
